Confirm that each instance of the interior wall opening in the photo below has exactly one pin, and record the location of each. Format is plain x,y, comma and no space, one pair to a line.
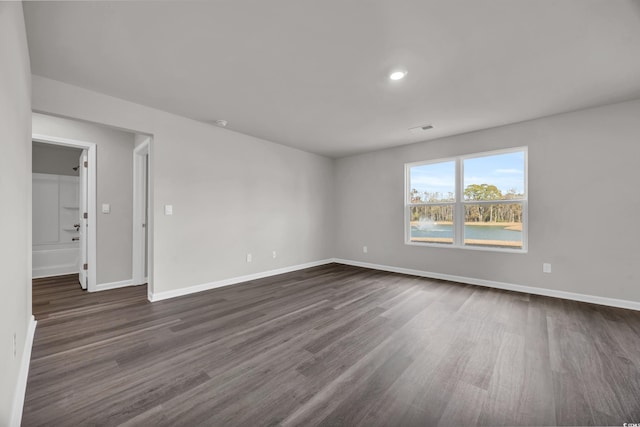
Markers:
110,262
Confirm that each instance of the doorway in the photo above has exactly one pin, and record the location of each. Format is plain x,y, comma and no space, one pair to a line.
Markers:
55,184
141,203
76,207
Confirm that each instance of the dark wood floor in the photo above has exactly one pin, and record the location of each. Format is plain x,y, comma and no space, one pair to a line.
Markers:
332,345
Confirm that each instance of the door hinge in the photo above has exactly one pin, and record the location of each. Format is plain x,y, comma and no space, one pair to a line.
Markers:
85,216
86,164
85,266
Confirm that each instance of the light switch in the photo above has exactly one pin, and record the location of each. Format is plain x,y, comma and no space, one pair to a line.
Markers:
168,209
106,208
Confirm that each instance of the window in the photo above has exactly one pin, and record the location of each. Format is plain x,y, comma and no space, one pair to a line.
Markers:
477,201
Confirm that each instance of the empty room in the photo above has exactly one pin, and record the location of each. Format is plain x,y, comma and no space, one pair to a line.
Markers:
304,213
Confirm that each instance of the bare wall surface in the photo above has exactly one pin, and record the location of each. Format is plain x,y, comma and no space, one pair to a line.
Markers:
15,193
583,209
115,187
232,194
55,159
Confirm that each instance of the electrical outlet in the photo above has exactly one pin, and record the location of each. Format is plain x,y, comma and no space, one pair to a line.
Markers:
249,258
15,346
274,254
365,249
546,267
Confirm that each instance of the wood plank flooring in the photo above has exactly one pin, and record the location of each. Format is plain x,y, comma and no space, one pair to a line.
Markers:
331,345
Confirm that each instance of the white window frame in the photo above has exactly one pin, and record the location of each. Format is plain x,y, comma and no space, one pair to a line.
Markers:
459,203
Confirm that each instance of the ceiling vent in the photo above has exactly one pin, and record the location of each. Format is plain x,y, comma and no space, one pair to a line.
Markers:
420,129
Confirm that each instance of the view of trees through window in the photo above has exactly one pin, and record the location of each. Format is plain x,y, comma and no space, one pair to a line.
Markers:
491,205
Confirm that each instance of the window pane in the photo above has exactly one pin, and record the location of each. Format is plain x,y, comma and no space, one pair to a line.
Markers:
498,177
432,224
434,182
496,225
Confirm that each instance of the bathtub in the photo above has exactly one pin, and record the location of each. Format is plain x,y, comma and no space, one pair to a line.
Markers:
55,260
55,211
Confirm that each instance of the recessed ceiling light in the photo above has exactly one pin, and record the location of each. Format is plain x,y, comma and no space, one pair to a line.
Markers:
397,74
221,123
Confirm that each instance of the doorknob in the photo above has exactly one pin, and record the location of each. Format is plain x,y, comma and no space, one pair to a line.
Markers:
77,226
75,239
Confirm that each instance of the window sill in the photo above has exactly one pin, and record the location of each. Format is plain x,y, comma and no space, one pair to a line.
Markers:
466,247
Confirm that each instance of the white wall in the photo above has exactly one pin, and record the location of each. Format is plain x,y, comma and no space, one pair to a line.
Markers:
15,196
115,186
583,168
232,194
54,159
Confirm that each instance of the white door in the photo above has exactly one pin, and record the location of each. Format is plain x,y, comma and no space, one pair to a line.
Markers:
84,209
140,214
146,216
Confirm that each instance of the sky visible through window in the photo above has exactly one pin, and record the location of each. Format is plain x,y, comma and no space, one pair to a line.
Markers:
505,171
434,178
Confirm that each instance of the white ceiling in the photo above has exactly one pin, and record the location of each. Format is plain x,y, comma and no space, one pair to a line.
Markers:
313,74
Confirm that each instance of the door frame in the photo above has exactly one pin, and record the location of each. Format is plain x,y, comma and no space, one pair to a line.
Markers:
140,169
91,148
83,198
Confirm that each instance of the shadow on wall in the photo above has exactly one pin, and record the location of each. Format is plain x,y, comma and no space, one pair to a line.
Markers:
636,7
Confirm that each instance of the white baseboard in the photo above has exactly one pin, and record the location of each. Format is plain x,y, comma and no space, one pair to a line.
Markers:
593,299
21,384
113,285
158,296
612,302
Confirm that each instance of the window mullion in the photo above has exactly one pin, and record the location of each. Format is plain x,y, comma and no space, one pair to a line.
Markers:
458,219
